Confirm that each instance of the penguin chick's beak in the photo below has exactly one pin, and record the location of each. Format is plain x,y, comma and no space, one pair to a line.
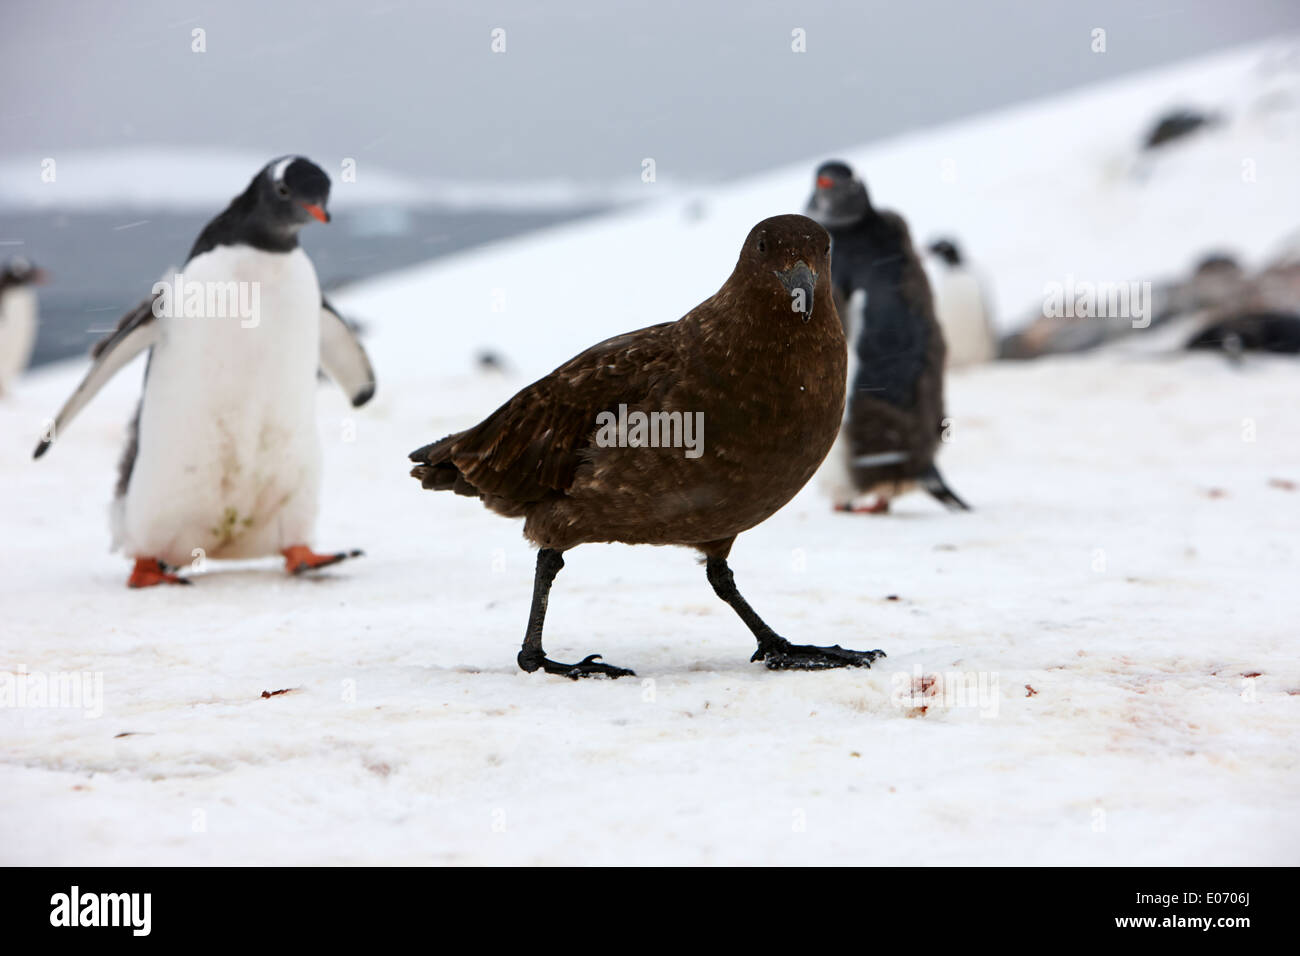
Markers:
317,211
799,281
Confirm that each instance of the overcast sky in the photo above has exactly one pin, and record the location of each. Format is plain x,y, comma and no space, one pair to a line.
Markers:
583,89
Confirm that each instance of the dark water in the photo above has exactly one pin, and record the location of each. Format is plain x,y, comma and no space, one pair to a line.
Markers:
103,263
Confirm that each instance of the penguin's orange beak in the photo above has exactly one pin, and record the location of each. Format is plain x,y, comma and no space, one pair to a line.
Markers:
316,211
825,182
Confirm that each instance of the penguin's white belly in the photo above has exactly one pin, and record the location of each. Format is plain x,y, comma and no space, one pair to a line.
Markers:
17,333
228,463
959,307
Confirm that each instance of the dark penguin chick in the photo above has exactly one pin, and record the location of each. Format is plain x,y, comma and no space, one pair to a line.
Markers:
1251,332
1249,313
752,383
895,406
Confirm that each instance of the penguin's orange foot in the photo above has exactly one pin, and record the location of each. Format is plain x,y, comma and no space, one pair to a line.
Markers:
300,558
878,507
151,571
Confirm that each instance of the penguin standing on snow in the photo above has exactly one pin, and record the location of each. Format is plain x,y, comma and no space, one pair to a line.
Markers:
223,458
894,413
961,306
17,318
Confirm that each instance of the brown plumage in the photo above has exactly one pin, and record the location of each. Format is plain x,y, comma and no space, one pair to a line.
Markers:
768,381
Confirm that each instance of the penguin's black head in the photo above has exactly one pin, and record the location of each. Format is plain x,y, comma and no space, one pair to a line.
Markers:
946,250
839,198
18,271
1220,263
292,191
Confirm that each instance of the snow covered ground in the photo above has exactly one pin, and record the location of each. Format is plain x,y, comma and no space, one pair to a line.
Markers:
1120,601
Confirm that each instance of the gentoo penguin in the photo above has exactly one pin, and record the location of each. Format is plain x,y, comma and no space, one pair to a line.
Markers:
1217,282
895,413
961,305
1251,332
223,458
17,318
1260,314
722,416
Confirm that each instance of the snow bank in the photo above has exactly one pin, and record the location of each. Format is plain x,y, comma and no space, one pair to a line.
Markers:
167,177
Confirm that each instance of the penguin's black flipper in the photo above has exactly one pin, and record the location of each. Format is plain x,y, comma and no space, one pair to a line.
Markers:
343,358
933,482
135,333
